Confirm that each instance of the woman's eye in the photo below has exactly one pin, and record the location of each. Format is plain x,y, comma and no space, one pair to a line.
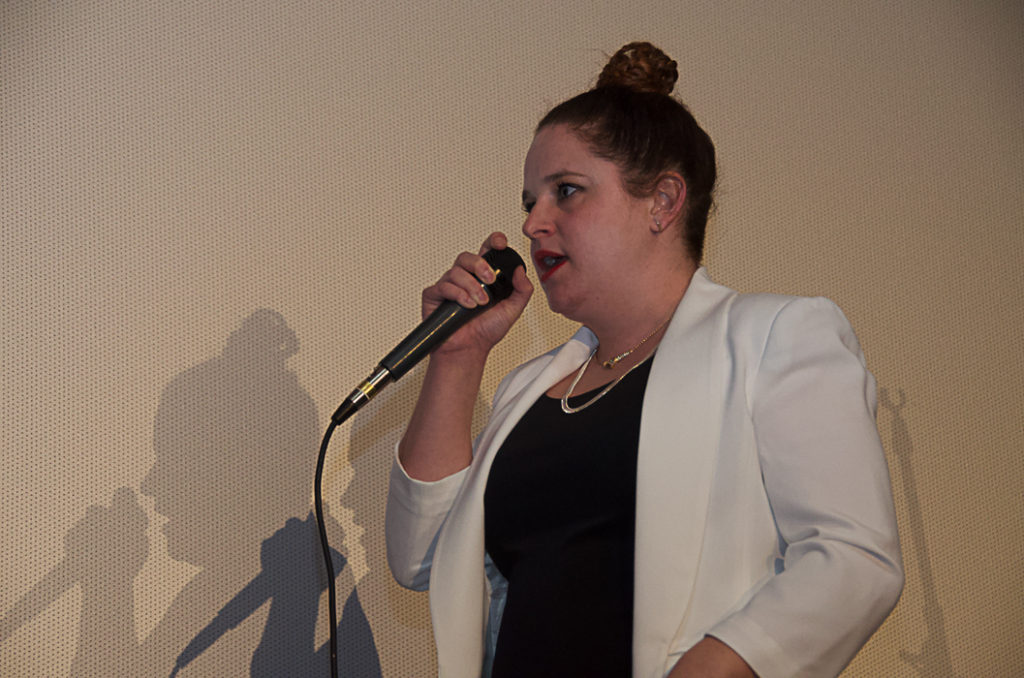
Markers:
566,190
527,206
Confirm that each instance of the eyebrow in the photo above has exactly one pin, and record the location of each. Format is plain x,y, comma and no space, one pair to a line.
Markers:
554,176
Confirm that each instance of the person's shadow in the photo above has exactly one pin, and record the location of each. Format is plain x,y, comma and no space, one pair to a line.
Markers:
235,440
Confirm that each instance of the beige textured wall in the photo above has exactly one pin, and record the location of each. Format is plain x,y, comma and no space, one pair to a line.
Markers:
168,169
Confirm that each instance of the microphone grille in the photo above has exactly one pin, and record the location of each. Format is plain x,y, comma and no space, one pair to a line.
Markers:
504,262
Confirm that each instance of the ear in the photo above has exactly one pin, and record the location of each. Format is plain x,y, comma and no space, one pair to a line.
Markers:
669,197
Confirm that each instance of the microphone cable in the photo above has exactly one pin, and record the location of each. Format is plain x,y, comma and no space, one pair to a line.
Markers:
325,547
447,318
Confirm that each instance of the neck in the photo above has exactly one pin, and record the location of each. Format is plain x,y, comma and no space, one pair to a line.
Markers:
637,324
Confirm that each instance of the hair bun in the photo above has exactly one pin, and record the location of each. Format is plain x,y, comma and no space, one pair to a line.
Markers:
642,67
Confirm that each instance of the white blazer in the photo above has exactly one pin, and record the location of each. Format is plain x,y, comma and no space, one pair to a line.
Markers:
764,513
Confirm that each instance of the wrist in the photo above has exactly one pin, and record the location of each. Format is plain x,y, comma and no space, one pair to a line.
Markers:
462,358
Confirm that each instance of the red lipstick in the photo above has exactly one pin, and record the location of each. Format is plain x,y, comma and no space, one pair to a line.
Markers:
547,262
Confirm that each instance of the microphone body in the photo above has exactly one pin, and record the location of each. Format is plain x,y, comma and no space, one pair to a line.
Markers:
431,333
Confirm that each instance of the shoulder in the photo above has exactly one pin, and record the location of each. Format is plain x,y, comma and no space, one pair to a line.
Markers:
743,311
767,312
754,321
764,314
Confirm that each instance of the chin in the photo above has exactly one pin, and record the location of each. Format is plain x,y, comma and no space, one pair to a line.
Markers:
180,550
563,306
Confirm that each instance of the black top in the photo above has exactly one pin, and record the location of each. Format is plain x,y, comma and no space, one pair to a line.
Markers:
559,509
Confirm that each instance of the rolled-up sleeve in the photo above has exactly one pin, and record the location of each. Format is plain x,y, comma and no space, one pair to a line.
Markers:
416,511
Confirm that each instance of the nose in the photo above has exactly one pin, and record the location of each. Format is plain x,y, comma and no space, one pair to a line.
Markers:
538,222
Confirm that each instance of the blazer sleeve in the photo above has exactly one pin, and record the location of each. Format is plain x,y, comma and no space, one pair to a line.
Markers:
813,406
416,511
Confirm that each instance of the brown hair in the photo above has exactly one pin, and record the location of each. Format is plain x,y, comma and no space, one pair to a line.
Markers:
630,118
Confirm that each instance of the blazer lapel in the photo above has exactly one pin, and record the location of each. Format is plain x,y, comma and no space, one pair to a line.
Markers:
679,435
459,598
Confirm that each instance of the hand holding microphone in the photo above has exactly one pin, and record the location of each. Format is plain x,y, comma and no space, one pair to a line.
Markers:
475,283
467,283
494,279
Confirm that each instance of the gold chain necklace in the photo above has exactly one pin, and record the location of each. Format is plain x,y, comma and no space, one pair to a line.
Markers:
612,362
579,375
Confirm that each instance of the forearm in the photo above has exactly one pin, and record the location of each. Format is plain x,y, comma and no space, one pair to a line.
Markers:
437,442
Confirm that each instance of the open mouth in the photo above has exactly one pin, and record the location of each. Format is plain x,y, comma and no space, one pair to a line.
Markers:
547,263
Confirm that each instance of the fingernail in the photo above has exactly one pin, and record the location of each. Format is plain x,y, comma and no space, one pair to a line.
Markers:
488,275
481,296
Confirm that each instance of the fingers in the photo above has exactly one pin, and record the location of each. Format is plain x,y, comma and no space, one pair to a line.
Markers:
462,282
522,290
477,266
521,283
459,284
495,241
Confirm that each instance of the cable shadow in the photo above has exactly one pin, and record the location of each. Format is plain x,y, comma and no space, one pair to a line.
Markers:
933,658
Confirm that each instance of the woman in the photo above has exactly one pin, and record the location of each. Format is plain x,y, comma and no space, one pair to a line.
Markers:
722,509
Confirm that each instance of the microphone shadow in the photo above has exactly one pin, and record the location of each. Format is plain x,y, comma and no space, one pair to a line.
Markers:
104,551
235,440
292,580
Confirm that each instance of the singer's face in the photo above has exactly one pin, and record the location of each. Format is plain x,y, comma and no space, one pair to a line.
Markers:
586,232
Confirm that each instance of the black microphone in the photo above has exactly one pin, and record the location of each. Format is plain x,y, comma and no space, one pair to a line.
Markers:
431,333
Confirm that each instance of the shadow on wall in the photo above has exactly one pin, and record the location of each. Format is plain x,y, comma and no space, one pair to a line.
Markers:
235,440
933,658
375,431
